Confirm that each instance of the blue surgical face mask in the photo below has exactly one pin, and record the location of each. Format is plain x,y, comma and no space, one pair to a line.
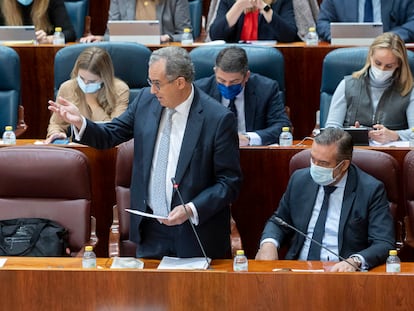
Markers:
25,2
231,91
90,87
323,176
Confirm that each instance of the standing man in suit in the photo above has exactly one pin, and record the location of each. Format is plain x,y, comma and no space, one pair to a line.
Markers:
201,153
255,99
396,16
357,223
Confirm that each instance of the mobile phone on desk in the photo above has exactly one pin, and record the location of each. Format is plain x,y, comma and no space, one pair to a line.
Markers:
60,141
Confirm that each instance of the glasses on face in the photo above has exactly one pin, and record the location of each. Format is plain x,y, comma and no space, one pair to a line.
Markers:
157,84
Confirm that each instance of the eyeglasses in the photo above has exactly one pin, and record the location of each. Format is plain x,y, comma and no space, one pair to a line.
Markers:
157,84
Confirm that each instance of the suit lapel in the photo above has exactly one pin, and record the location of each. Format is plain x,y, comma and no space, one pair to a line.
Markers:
250,101
150,132
191,136
347,203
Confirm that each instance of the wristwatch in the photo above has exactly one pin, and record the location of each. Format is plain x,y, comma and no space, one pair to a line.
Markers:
357,261
267,8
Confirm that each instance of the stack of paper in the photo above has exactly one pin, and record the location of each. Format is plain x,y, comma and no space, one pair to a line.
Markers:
184,263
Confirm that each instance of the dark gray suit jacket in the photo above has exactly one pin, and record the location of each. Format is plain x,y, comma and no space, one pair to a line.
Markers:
264,108
208,170
365,226
397,16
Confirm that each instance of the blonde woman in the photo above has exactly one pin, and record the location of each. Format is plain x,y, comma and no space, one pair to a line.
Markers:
379,95
94,89
45,15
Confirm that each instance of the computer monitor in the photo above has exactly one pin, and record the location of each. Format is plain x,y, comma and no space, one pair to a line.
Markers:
355,33
140,31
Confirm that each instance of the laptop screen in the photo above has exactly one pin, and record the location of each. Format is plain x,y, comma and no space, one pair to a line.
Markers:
355,33
140,31
17,34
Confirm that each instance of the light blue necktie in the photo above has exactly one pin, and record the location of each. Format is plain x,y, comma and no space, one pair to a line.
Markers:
159,203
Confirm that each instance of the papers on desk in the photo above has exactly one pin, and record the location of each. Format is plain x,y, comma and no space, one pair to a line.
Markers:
398,143
126,263
145,214
297,270
174,263
2,262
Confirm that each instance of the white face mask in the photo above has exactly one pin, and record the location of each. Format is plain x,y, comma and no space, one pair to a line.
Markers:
90,87
323,176
381,75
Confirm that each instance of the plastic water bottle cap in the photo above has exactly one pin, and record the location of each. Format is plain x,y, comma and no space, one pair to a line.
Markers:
88,248
9,128
240,252
393,252
58,29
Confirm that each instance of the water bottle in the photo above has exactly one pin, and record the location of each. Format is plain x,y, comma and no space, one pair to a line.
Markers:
58,36
312,38
240,262
89,258
412,137
393,262
9,138
187,37
285,138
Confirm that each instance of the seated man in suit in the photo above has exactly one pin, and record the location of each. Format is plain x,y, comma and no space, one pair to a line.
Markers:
396,16
359,225
253,98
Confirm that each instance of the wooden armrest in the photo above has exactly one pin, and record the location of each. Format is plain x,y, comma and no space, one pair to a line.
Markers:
21,126
236,242
93,239
114,236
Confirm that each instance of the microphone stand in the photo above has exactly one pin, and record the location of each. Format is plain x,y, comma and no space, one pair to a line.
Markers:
175,186
281,222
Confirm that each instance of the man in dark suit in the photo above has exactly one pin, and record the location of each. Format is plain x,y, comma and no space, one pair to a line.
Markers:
358,223
396,16
259,107
202,155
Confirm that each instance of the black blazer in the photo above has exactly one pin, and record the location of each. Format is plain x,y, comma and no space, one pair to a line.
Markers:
365,226
263,106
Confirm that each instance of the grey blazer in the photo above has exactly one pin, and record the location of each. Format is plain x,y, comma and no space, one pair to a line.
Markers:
174,15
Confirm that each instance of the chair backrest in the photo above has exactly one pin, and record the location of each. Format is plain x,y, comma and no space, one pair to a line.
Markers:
408,180
130,62
9,87
47,182
263,60
77,11
380,165
336,65
124,160
196,8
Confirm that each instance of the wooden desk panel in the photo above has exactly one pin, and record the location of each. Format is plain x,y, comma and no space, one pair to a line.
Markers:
57,284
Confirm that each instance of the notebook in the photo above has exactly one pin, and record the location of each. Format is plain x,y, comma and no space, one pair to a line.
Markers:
355,33
140,31
17,34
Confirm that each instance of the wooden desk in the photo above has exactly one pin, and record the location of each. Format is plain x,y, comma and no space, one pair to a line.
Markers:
60,284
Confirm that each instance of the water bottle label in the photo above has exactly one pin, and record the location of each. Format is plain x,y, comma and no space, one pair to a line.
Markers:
89,263
393,267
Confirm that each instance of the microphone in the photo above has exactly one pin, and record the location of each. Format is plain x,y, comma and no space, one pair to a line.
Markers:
175,187
283,223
